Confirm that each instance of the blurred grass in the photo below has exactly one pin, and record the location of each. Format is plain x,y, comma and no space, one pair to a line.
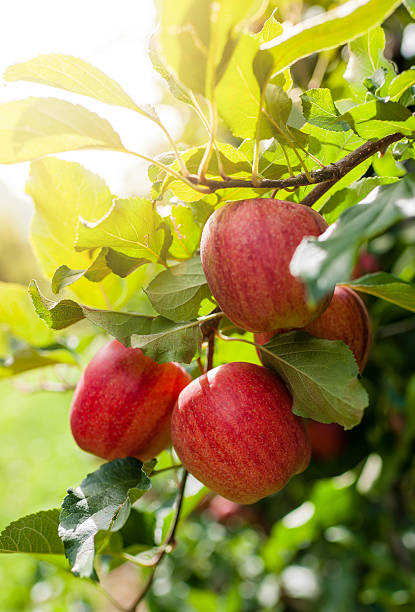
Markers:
38,462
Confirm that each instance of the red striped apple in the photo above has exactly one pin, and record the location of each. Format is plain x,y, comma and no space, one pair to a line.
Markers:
346,319
123,402
246,249
234,430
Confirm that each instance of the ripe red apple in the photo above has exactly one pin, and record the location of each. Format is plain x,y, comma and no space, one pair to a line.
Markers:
246,249
345,319
234,430
123,402
328,440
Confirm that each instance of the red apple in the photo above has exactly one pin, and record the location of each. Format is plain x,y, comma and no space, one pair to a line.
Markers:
328,440
345,319
366,263
246,249
234,430
123,402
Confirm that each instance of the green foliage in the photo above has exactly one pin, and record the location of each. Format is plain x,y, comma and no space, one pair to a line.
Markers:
324,262
387,287
49,125
131,268
176,293
102,502
35,534
321,375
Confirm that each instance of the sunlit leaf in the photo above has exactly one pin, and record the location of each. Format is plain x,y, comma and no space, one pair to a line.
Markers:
366,57
328,30
36,127
17,315
62,191
176,293
75,75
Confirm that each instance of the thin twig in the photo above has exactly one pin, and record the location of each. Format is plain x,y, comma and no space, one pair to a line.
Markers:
167,546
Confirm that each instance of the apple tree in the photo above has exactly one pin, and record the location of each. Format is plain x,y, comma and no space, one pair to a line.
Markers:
237,305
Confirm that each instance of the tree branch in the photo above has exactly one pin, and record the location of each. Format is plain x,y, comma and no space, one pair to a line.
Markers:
325,177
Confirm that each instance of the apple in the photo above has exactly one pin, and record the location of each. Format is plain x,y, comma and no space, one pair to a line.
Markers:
123,402
346,319
246,249
366,263
328,440
234,430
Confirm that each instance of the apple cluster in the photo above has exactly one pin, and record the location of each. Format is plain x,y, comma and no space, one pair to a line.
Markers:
233,427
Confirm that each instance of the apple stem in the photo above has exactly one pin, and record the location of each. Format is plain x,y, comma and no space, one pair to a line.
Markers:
167,546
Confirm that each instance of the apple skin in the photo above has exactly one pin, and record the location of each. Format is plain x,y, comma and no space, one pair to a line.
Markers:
328,440
346,319
246,249
234,430
123,402
366,263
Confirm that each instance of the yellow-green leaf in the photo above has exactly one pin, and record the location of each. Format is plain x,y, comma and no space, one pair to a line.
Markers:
18,316
36,127
328,30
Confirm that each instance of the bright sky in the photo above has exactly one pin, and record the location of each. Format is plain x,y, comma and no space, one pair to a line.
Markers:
111,35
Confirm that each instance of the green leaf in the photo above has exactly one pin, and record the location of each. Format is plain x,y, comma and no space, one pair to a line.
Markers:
387,287
322,376
131,226
366,58
169,341
186,222
352,195
176,293
329,147
377,119
35,127
35,534
18,316
319,109
328,30
204,31
176,88
401,83
328,260
241,112
75,75
30,358
63,191
102,502
160,339
410,6
64,313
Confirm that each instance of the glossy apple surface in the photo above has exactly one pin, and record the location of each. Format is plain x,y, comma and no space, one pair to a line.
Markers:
123,402
246,249
234,430
346,319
